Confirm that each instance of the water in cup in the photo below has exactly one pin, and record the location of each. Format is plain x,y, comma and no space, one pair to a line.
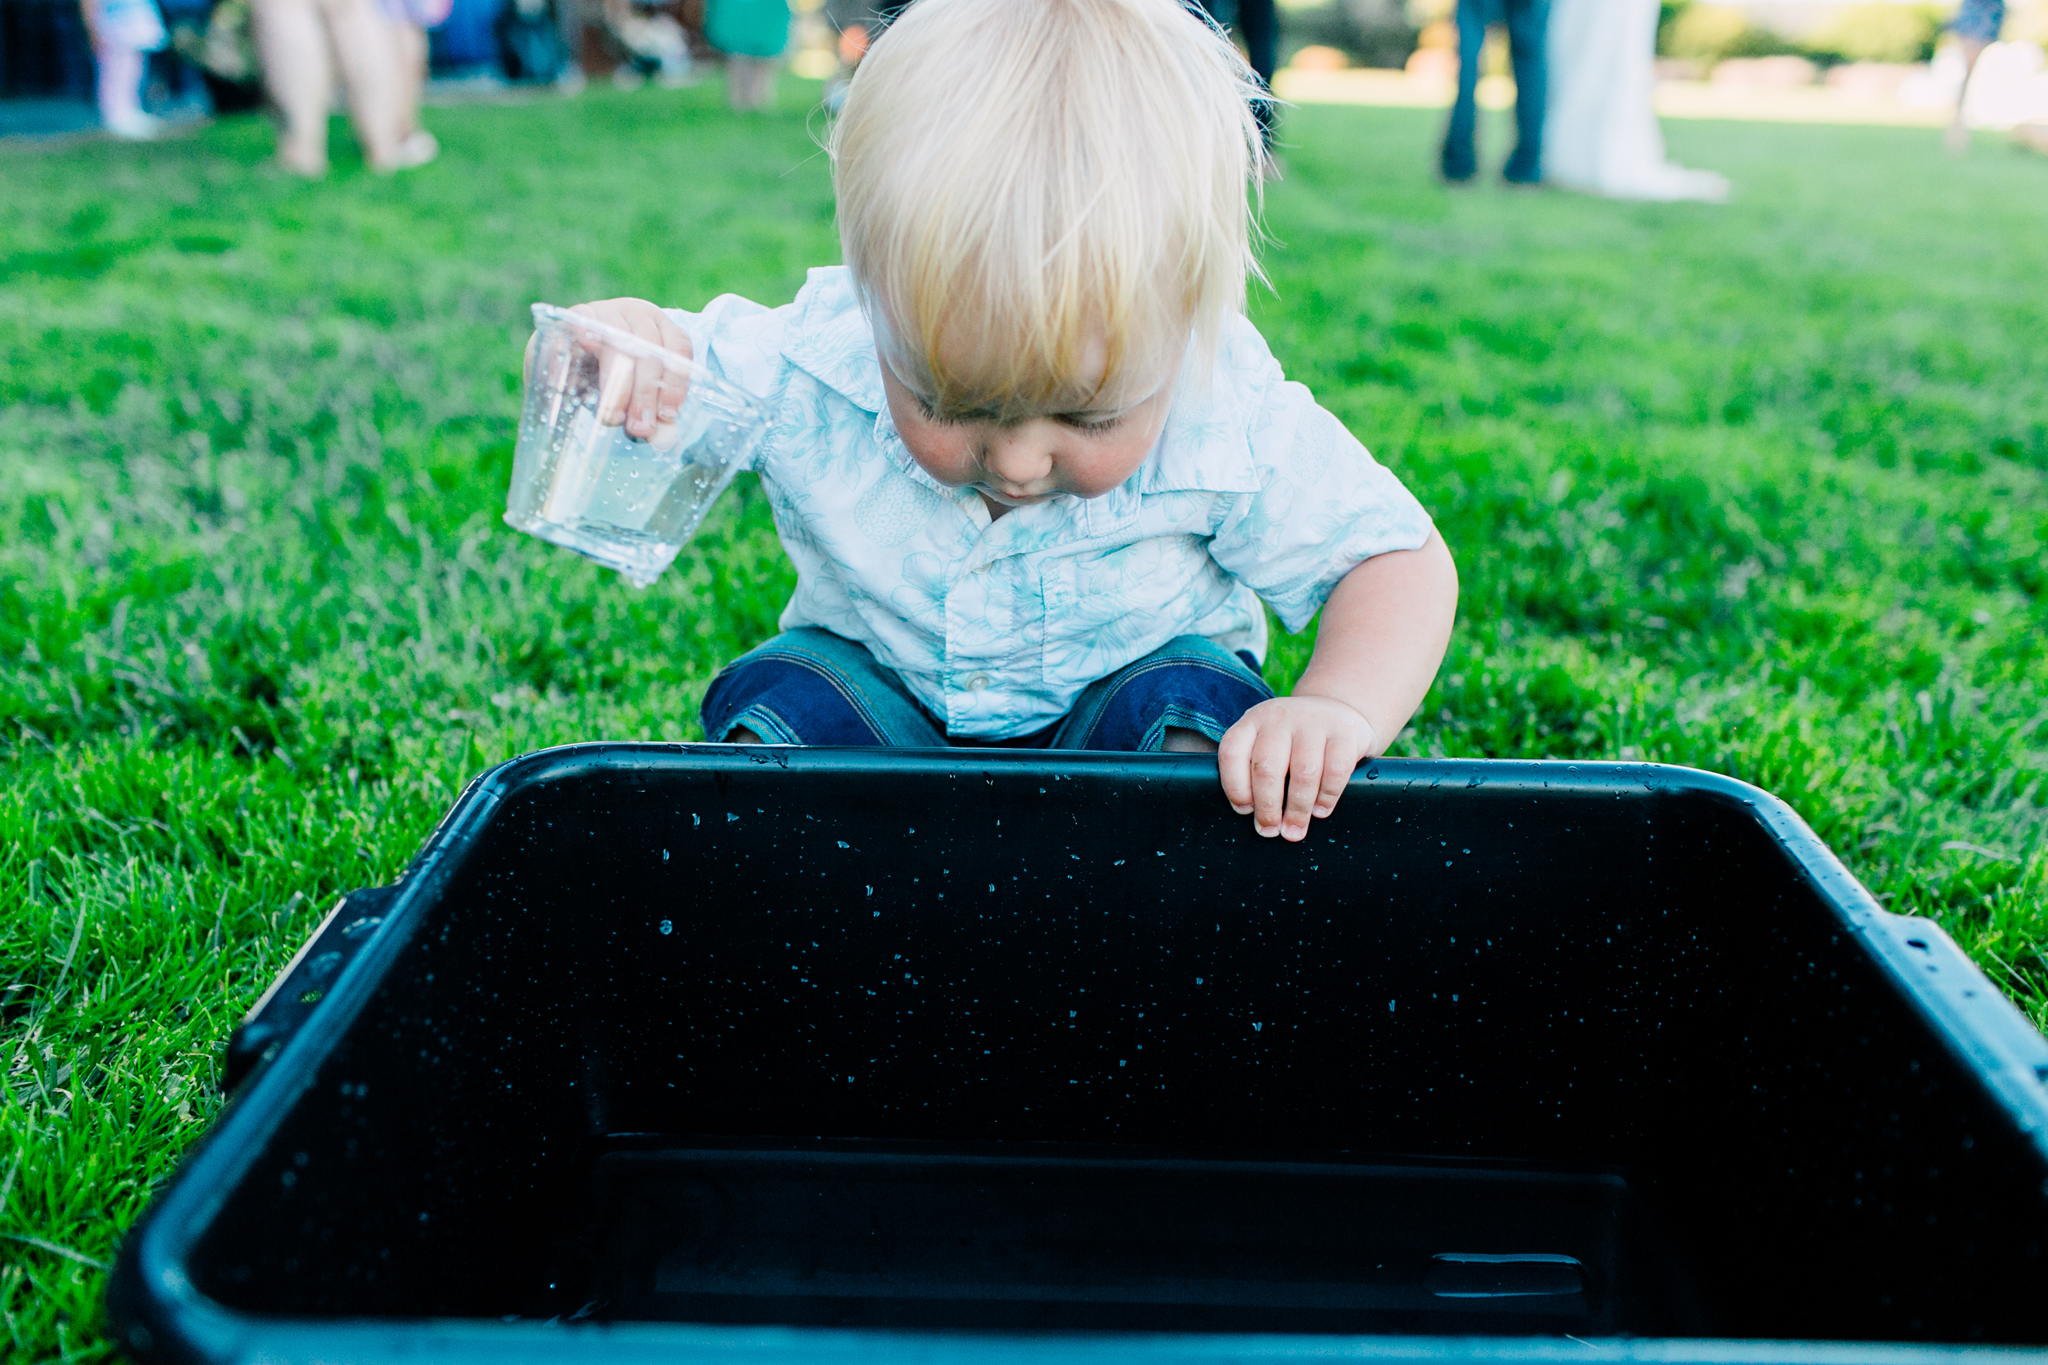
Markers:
578,480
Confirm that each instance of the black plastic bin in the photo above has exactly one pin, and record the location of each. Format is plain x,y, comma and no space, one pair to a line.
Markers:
777,1055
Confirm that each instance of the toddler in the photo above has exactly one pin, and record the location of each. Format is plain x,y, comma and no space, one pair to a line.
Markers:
1035,469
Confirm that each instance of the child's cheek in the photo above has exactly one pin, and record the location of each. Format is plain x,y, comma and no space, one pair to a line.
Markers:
1110,464
939,453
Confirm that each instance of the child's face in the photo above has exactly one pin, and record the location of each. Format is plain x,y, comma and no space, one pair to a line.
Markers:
1013,463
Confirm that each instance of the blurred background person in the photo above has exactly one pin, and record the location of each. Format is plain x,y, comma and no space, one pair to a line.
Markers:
1528,23
1257,25
123,33
410,20
302,41
653,42
1600,133
752,34
1976,26
529,34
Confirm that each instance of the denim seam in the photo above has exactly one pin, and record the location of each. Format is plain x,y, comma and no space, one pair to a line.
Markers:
804,659
763,721
1238,672
1176,717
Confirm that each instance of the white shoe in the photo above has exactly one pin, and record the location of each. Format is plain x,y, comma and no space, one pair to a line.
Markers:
418,149
135,126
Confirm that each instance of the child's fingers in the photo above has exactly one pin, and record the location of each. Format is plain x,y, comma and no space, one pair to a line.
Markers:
614,384
674,391
648,374
651,376
1234,764
670,383
1271,753
1304,785
1337,767
640,392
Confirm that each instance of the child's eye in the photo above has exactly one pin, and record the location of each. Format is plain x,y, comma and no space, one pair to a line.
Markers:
930,413
1092,425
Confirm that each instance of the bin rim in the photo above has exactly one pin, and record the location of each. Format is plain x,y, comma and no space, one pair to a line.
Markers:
157,1311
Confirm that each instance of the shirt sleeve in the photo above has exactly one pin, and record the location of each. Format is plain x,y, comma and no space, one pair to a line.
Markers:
1323,507
740,342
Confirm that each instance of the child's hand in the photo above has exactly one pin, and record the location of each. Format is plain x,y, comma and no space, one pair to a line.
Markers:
1289,758
643,394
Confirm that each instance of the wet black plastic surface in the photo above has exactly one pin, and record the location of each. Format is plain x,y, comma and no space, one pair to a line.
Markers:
1022,1042
1047,1236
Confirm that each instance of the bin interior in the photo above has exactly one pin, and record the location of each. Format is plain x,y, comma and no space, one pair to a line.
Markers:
1058,1043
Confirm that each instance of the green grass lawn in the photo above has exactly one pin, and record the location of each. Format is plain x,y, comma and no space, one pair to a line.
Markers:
1760,488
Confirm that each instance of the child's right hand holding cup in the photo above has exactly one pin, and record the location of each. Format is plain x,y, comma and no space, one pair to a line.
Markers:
638,392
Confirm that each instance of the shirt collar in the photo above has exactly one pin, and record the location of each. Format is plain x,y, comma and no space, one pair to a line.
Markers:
830,339
1206,443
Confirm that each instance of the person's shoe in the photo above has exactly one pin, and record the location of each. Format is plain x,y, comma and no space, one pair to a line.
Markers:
135,126
419,147
417,150
1957,139
2032,137
1522,171
303,169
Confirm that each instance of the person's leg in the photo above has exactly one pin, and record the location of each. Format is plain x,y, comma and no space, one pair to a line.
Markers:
1958,136
409,55
1183,695
1977,25
369,70
415,145
810,686
569,20
296,73
1528,24
119,90
1460,156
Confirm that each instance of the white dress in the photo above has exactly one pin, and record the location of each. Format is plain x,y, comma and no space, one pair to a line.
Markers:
1600,132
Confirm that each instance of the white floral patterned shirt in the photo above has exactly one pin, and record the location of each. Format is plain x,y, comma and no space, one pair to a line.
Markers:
996,626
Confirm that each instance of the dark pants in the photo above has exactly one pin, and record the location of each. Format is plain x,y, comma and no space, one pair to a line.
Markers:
809,686
1258,25
1526,20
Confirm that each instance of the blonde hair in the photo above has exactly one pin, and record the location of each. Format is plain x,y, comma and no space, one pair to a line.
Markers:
1044,201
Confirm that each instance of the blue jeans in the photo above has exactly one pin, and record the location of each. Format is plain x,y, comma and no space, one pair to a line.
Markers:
1527,22
1980,20
809,686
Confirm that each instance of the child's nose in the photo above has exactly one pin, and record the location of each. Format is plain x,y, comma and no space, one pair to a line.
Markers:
1018,458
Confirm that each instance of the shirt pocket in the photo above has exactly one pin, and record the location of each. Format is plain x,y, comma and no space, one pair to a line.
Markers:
1106,610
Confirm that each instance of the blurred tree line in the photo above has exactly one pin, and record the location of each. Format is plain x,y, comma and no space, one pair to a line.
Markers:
1874,31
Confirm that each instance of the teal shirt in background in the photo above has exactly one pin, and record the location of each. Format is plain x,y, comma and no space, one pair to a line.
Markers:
748,28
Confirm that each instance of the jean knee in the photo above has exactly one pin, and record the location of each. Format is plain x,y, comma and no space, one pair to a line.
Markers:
1189,684
808,686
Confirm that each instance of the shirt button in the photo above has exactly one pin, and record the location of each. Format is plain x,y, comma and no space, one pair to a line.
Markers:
977,682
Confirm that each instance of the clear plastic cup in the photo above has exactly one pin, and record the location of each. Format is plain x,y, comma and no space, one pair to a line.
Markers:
579,481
